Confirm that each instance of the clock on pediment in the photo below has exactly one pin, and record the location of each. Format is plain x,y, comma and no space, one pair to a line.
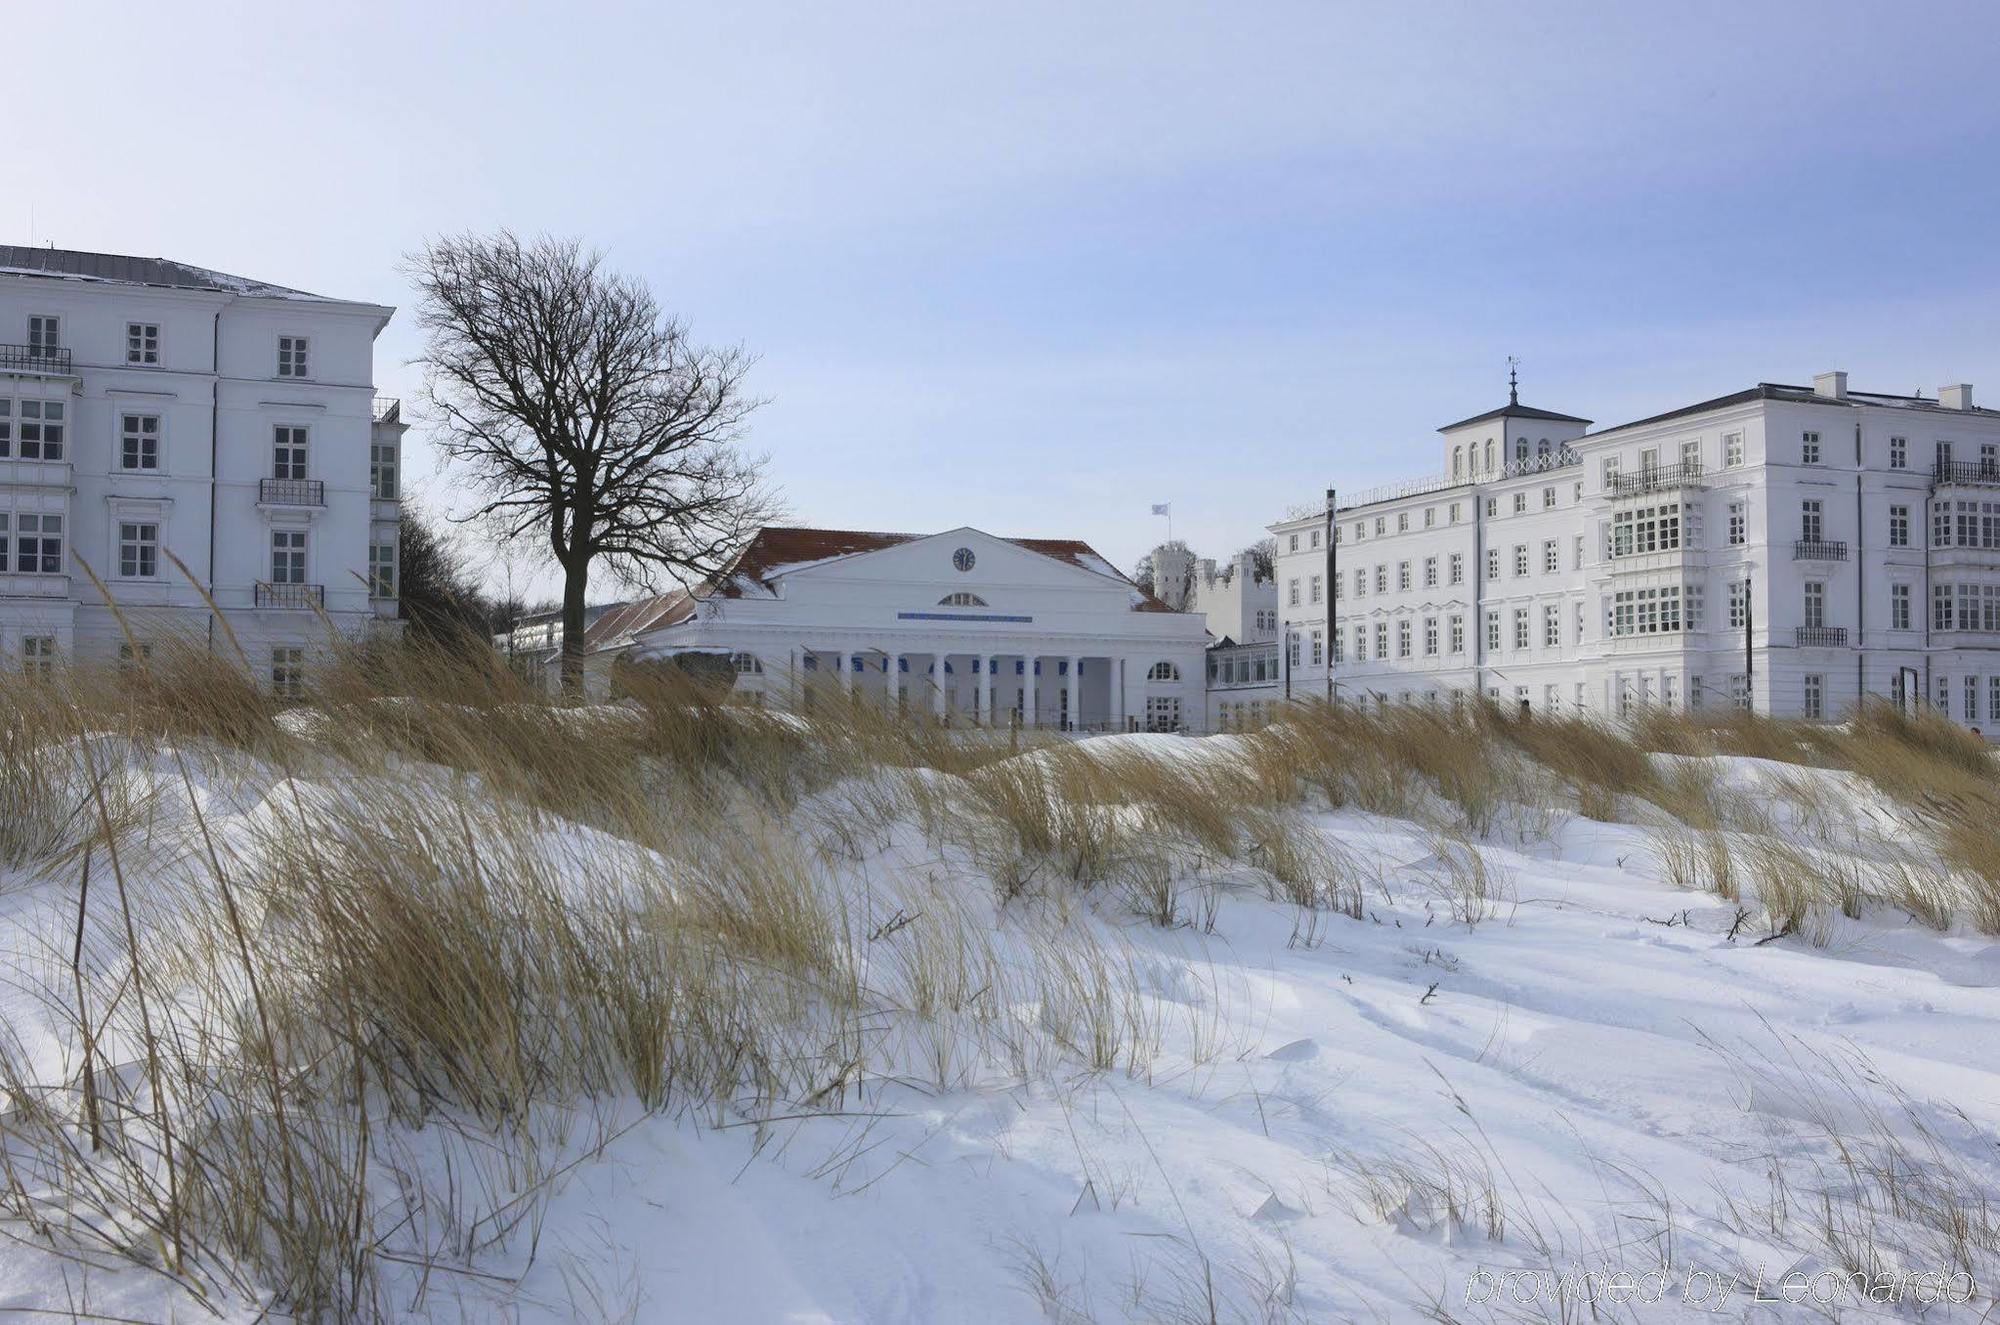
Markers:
963,559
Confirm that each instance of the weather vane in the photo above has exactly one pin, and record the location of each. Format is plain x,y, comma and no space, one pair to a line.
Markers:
1513,381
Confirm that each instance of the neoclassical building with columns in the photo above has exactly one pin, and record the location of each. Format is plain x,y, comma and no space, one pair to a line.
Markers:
974,629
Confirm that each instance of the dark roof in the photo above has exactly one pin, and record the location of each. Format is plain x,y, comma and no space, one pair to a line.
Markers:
71,263
621,623
1802,395
776,549
1516,412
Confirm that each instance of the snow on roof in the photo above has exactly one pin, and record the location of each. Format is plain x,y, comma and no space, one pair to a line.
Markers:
77,265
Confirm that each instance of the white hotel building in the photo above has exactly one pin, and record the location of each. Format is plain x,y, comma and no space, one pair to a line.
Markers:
1785,548
150,408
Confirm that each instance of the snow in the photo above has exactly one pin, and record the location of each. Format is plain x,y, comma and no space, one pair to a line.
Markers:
1596,1073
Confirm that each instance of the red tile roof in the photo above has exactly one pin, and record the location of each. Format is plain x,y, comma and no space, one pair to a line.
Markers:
621,624
777,548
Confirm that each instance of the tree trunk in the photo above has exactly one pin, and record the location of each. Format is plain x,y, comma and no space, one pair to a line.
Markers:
576,589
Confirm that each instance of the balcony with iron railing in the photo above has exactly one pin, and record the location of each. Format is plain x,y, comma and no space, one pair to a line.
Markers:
1658,478
1986,472
386,409
291,595
36,359
1816,549
291,492
1820,637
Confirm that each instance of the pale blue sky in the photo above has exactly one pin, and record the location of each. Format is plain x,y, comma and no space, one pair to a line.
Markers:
1035,267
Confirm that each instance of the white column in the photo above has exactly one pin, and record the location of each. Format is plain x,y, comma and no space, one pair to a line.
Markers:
892,679
937,685
1076,693
1028,684
846,672
1117,684
985,665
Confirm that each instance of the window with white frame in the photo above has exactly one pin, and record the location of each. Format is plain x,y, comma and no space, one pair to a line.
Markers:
1381,639
1360,581
1520,558
1899,607
288,671
1578,557
1403,575
44,335
38,543
1430,572
138,442
1650,611
1493,632
1551,626
1361,644
39,426
1809,448
1548,498
1315,537
1430,516
1732,449
1317,590
38,656
293,357
1292,648
138,549
1291,593
1403,639
1815,603
1899,526
1492,507
1812,523
382,470
1382,577
142,343
1520,628
1430,637
1646,529
288,451
1972,699
1739,603
1738,526
1458,568
288,556
1458,634
1520,503
1451,513
1815,695
1402,522
1163,671
1551,556
381,570
1899,453
1293,545
1691,456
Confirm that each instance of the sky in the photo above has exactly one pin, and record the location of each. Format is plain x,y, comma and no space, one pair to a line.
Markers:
1037,267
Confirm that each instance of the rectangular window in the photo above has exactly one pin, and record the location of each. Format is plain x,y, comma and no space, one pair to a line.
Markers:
1315,538
1520,627
1318,647
1646,529
1548,498
1815,695
1381,525
288,452
1361,644
1610,473
1520,503
288,671
1737,524
1430,637
1551,556
288,556
1992,694
139,442
1492,507
1578,553
1294,544
1691,456
142,343
1403,639
381,570
1941,607
1899,526
1815,603
1291,593
1430,516
1382,578
292,357
1458,568
382,473
1360,581
40,428
1650,611
1493,632
1316,591
1381,639
38,544
1451,513
1552,626
1809,448
1403,575
1430,572
1899,607
38,656
1972,699
44,335
1732,449
1292,649
1811,524
1402,522
138,550
1458,634
1899,453
1520,558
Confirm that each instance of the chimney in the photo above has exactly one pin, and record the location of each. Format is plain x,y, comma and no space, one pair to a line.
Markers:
1956,397
1831,385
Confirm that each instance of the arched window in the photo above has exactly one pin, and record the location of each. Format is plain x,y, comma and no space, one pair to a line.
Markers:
1164,671
961,599
1521,448
1457,463
749,664
1489,453
1542,450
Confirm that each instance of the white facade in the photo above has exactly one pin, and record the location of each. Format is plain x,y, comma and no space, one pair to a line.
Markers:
152,411
963,625
1786,548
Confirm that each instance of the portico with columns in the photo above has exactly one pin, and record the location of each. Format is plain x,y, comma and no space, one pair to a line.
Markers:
962,627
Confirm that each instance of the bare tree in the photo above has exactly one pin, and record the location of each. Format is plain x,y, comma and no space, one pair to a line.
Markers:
1263,556
1167,572
584,414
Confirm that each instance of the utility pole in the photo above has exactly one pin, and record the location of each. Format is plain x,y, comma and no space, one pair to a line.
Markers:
1749,657
1332,587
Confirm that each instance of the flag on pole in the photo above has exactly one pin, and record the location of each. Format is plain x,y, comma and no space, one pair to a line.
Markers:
1163,508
